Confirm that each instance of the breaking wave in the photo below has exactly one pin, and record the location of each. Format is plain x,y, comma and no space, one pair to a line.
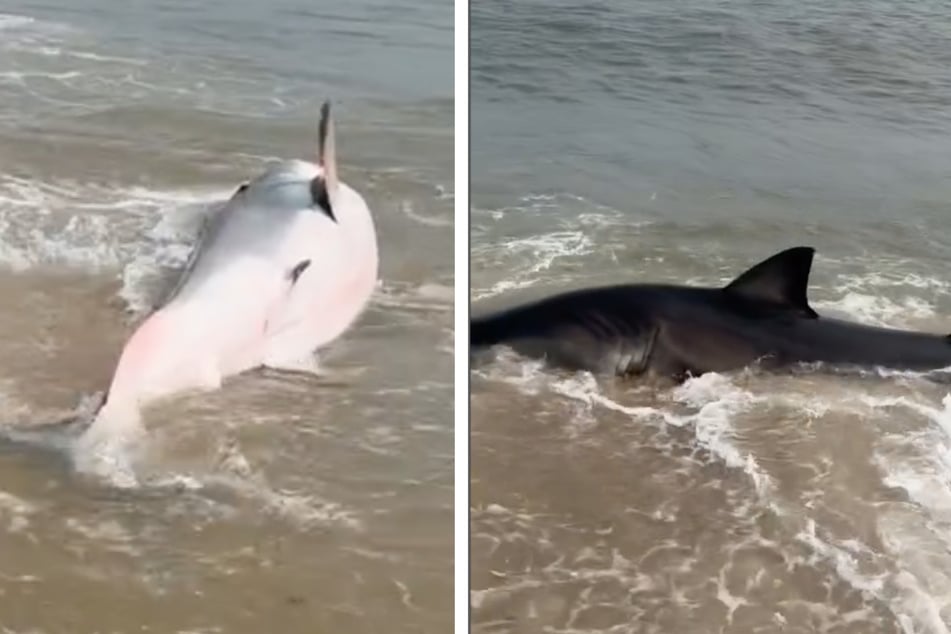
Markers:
886,536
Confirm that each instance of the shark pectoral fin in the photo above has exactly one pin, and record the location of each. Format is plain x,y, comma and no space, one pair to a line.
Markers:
297,271
781,280
636,356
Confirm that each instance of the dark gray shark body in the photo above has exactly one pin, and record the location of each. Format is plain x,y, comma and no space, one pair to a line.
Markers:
761,317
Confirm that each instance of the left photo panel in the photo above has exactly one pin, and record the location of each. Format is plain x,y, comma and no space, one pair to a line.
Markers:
226,316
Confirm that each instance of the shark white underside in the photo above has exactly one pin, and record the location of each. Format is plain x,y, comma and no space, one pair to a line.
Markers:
283,269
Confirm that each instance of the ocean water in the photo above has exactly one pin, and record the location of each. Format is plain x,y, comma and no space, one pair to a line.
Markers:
277,503
684,142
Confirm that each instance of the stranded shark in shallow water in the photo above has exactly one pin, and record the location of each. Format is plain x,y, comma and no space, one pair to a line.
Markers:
284,268
762,317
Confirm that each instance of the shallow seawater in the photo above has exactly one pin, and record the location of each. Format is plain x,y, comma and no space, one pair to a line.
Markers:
281,502
635,142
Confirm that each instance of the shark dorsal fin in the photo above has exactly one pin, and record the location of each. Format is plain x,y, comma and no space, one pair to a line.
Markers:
780,280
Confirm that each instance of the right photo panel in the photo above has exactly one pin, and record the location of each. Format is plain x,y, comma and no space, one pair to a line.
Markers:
710,306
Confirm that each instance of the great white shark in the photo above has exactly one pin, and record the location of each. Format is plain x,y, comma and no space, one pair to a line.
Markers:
281,270
762,317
